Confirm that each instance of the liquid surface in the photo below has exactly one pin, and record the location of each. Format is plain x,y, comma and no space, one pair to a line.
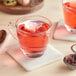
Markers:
32,26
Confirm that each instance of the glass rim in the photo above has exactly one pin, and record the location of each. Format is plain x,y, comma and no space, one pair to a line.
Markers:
67,7
50,23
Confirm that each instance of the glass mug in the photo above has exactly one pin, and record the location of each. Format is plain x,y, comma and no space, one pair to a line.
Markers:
33,34
69,10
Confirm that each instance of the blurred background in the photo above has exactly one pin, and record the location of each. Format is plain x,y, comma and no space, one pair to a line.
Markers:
51,9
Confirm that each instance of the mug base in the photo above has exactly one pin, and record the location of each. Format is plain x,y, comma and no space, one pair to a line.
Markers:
32,55
70,29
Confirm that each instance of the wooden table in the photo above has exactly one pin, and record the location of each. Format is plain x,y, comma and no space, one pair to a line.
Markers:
8,67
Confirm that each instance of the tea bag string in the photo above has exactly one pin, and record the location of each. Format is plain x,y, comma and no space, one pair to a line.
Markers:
72,48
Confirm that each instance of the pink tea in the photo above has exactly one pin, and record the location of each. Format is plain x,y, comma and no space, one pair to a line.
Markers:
32,36
69,9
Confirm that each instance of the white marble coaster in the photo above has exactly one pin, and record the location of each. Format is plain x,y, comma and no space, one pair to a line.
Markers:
50,55
61,33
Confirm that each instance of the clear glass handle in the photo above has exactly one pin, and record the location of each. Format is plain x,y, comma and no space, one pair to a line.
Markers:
12,30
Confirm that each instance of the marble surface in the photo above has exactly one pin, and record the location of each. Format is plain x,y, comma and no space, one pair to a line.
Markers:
51,55
61,33
8,67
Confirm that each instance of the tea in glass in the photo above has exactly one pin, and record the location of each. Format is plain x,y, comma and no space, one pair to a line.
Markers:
33,35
